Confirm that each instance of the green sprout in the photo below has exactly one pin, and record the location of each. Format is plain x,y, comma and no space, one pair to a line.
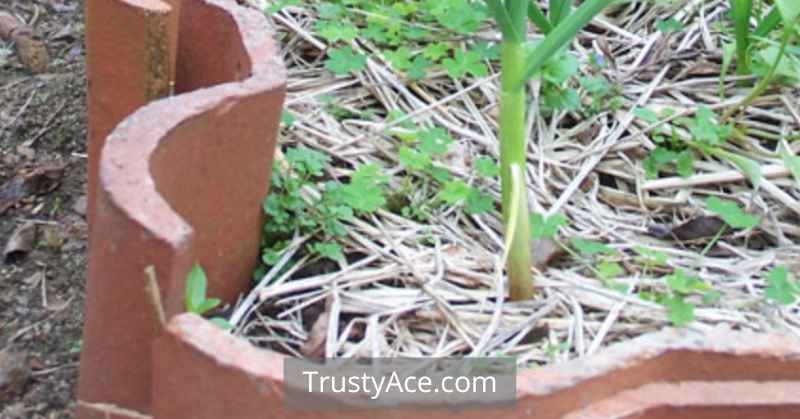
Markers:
195,298
520,61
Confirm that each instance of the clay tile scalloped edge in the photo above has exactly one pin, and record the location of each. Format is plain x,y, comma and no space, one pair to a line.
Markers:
233,352
155,5
720,339
125,160
691,395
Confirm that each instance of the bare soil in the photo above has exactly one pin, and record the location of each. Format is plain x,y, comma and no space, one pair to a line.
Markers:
43,126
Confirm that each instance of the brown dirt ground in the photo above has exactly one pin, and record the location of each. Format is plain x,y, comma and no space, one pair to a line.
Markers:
43,318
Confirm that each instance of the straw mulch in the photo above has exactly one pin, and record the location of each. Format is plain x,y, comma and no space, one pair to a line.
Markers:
438,288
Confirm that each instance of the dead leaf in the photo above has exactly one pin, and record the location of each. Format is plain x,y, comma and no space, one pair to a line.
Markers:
14,374
20,243
536,335
44,179
697,228
32,50
11,192
315,345
544,252
39,182
53,236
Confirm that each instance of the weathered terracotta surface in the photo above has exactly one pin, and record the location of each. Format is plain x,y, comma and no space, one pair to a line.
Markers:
180,181
625,380
130,60
700,399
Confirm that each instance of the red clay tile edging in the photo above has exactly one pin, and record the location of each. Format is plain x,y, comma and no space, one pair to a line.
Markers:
700,399
181,180
652,375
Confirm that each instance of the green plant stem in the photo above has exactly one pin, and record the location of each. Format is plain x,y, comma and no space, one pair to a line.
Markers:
512,152
714,240
764,83
741,11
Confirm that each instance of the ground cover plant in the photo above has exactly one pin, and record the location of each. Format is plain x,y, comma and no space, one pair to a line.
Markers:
654,176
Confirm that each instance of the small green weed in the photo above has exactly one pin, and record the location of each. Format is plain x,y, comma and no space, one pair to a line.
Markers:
195,299
781,287
299,202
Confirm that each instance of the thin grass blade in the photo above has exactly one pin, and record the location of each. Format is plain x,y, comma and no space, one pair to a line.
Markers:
500,13
559,10
560,36
768,23
741,11
538,18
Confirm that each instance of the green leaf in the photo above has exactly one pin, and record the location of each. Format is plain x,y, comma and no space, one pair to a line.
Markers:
650,257
646,115
280,4
439,174
287,119
731,213
368,173
330,11
558,11
538,18
669,25
791,162
221,323
461,16
336,31
656,160
682,284
589,248
711,297
562,99
478,202
435,51
780,286
545,227
741,11
728,51
747,166
560,68
208,305
195,293
330,250
419,67
363,196
486,50
306,160
344,60
705,129
768,23
608,270
400,58
465,62
685,164
679,312
454,192
560,36
434,141
501,16
413,159
486,167
790,9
